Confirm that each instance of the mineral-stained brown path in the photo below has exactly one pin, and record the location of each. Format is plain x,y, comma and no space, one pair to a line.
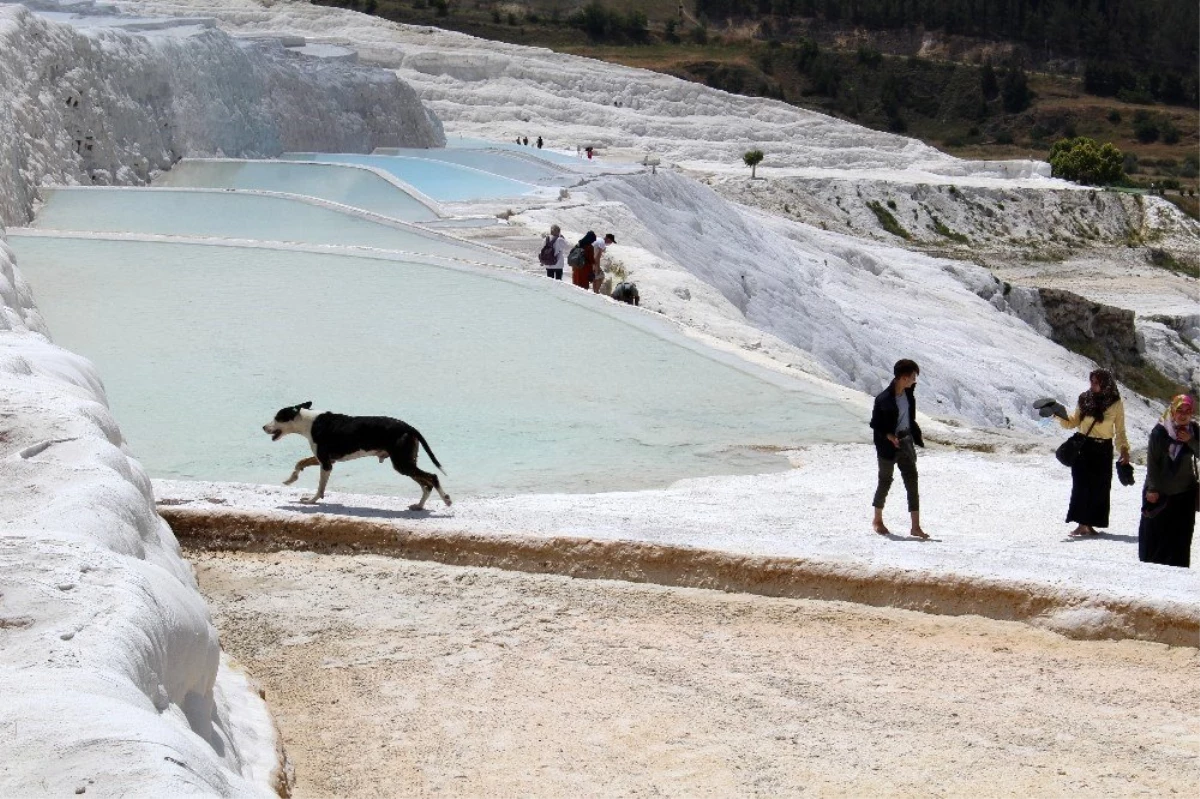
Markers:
399,678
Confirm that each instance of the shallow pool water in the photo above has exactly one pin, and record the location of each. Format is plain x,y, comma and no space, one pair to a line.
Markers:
546,154
510,164
518,383
359,188
240,215
441,180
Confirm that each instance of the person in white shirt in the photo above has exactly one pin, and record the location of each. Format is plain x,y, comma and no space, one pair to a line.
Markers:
600,247
559,244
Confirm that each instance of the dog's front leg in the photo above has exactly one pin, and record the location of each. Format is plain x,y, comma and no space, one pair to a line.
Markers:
315,498
301,465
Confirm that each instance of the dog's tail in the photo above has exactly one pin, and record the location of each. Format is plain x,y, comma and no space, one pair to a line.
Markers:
428,451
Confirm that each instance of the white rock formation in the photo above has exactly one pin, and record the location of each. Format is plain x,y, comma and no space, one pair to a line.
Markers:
110,667
854,306
100,105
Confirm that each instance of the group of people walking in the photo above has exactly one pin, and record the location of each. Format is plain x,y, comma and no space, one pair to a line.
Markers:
1170,494
524,140
583,258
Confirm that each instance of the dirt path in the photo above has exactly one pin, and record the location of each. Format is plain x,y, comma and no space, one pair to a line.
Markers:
401,678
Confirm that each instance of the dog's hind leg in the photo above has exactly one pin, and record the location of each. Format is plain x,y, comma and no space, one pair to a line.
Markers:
315,498
427,481
437,484
301,465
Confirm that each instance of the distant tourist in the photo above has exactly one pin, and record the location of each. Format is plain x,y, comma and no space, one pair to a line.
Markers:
518,140
588,150
897,435
553,254
525,141
583,266
626,292
1100,416
539,142
1171,494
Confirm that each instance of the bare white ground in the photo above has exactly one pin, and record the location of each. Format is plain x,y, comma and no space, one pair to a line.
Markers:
401,678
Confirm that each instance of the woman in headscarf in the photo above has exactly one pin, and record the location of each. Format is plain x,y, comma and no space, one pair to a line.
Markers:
1100,416
582,275
1169,506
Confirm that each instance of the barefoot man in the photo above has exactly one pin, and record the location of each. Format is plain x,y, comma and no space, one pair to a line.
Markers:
897,436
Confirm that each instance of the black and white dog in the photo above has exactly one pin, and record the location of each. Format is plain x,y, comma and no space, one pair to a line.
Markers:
337,437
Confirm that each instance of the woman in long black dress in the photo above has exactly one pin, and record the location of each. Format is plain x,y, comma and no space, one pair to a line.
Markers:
1100,416
1169,506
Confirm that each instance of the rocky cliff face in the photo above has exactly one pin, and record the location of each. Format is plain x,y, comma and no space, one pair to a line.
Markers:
1109,337
102,105
1035,222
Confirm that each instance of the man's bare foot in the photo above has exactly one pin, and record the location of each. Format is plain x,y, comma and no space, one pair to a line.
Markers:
880,528
917,532
1078,531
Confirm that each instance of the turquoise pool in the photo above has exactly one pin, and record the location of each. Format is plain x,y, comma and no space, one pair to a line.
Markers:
519,383
441,180
518,166
462,143
359,188
241,215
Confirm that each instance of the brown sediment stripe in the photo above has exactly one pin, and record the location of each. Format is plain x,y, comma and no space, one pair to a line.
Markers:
223,529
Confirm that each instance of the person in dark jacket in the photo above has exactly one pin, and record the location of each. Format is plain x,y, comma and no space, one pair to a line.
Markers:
1169,500
897,435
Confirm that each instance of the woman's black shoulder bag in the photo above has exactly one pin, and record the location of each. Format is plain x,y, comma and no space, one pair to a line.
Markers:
1068,451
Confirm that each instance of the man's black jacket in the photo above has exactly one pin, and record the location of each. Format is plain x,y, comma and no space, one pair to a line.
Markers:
884,417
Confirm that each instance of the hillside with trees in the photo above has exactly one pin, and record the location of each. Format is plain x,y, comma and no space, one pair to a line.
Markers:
976,78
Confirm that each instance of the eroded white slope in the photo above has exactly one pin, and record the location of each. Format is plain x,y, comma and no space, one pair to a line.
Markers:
497,90
854,305
95,104
110,667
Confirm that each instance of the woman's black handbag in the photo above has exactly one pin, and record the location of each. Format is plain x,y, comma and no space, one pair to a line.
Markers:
1068,451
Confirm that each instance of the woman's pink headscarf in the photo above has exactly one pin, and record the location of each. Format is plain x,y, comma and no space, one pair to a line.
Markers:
1180,402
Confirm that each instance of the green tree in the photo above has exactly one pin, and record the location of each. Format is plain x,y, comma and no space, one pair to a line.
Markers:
752,158
671,32
988,84
1015,90
1084,161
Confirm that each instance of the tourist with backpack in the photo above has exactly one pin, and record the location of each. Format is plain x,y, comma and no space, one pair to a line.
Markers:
553,254
582,260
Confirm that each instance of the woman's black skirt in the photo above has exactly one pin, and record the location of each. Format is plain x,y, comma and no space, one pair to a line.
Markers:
1165,534
1091,481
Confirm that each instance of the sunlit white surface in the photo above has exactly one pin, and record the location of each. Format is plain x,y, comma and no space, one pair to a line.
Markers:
519,384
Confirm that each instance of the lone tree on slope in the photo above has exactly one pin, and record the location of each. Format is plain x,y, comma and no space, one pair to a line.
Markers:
1084,161
753,158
